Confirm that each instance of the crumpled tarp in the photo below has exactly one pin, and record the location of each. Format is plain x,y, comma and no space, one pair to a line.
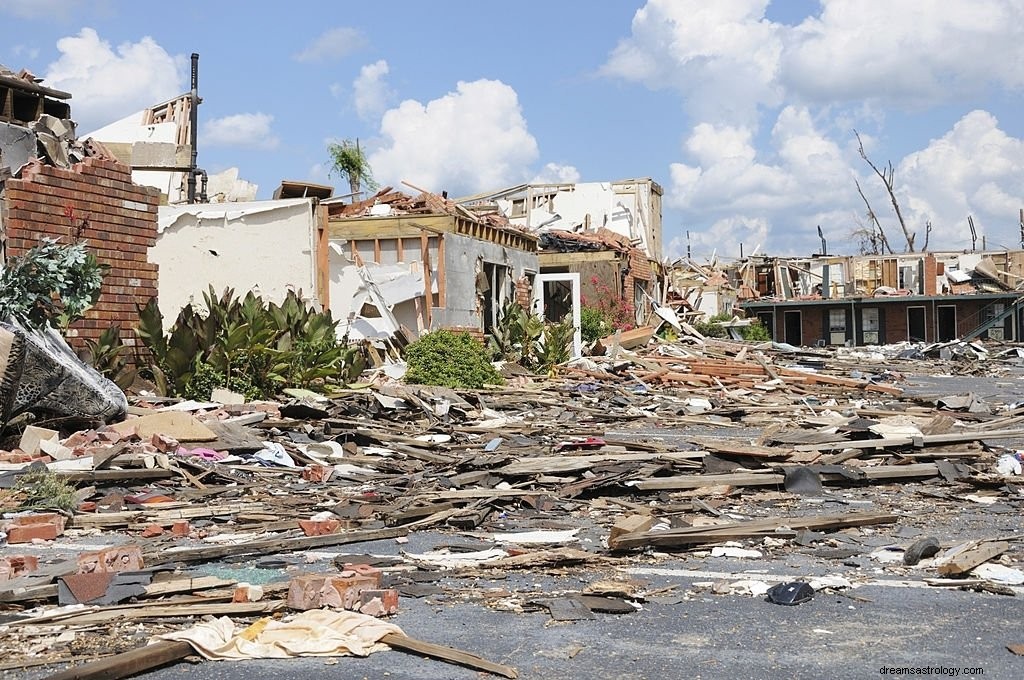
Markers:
317,632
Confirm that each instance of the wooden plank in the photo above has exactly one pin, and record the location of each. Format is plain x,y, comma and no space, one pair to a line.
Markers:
698,481
685,536
442,283
100,476
127,664
449,654
428,286
967,556
408,226
271,546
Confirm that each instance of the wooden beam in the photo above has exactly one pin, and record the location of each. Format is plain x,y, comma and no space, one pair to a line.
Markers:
127,664
376,250
407,226
428,293
442,284
323,257
449,654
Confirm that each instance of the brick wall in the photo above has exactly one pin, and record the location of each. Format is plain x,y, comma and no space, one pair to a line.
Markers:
117,219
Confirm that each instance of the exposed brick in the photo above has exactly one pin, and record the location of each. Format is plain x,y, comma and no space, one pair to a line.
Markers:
13,566
378,602
319,527
26,533
121,558
340,591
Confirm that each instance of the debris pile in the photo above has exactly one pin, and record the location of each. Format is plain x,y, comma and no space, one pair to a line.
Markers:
240,512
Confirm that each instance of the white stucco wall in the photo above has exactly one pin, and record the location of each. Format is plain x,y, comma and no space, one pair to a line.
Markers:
265,246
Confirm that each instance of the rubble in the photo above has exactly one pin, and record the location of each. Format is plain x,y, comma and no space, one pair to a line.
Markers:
671,446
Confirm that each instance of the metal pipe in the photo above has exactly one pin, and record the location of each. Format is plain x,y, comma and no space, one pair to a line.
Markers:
193,122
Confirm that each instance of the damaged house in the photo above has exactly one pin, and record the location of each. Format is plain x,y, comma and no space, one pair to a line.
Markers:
609,234
880,299
424,263
54,186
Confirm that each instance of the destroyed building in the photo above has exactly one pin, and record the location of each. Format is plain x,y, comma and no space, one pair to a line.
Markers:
880,299
424,263
609,233
52,185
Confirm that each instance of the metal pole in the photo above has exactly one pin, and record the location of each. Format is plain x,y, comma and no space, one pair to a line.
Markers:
193,122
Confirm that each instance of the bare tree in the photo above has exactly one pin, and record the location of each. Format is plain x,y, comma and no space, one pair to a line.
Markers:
887,177
875,224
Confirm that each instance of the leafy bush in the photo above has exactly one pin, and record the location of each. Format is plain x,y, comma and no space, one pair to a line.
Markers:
248,346
593,324
50,285
618,313
524,339
755,332
450,359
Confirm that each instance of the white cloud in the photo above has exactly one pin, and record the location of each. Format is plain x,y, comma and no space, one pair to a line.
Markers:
909,52
473,139
372,94
726,59
106,84
556,173
721,56
244,130
974,169
331,45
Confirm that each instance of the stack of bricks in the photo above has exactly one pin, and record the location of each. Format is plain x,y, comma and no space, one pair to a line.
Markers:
95,201
357,588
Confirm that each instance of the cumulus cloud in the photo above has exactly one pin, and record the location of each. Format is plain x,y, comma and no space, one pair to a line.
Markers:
109,83
372,94
473,139
727,59
243,130
846,65
556,173
331,45
974,169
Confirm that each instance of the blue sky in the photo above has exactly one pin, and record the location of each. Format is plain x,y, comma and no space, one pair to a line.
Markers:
743,110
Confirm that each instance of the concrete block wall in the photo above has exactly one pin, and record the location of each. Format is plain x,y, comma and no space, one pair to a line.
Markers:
96,201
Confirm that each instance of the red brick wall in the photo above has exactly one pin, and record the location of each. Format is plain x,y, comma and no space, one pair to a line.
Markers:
120,222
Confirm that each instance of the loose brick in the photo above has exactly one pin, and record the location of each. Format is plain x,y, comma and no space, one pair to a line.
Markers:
120,558
381,602
340,591
319,527
13,566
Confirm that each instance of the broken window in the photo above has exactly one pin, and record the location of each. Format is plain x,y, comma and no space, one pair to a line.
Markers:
869,320
519,207
837,326
493,286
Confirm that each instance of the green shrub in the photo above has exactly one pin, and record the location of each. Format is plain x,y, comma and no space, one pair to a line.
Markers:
450,359
51,285
247,345
755,332
593,324
44,490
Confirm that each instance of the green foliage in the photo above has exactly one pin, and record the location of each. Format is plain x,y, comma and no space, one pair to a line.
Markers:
349,161
593,324
755,332
50,285
107,355
713,328
247,345
617,312
553,347
45,491
450,359
524,339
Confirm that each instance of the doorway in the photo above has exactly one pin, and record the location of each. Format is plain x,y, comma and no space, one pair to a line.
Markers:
556,296
793,323
916,324
946,323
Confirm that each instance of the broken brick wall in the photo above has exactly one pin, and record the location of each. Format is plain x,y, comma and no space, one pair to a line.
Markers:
95,201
